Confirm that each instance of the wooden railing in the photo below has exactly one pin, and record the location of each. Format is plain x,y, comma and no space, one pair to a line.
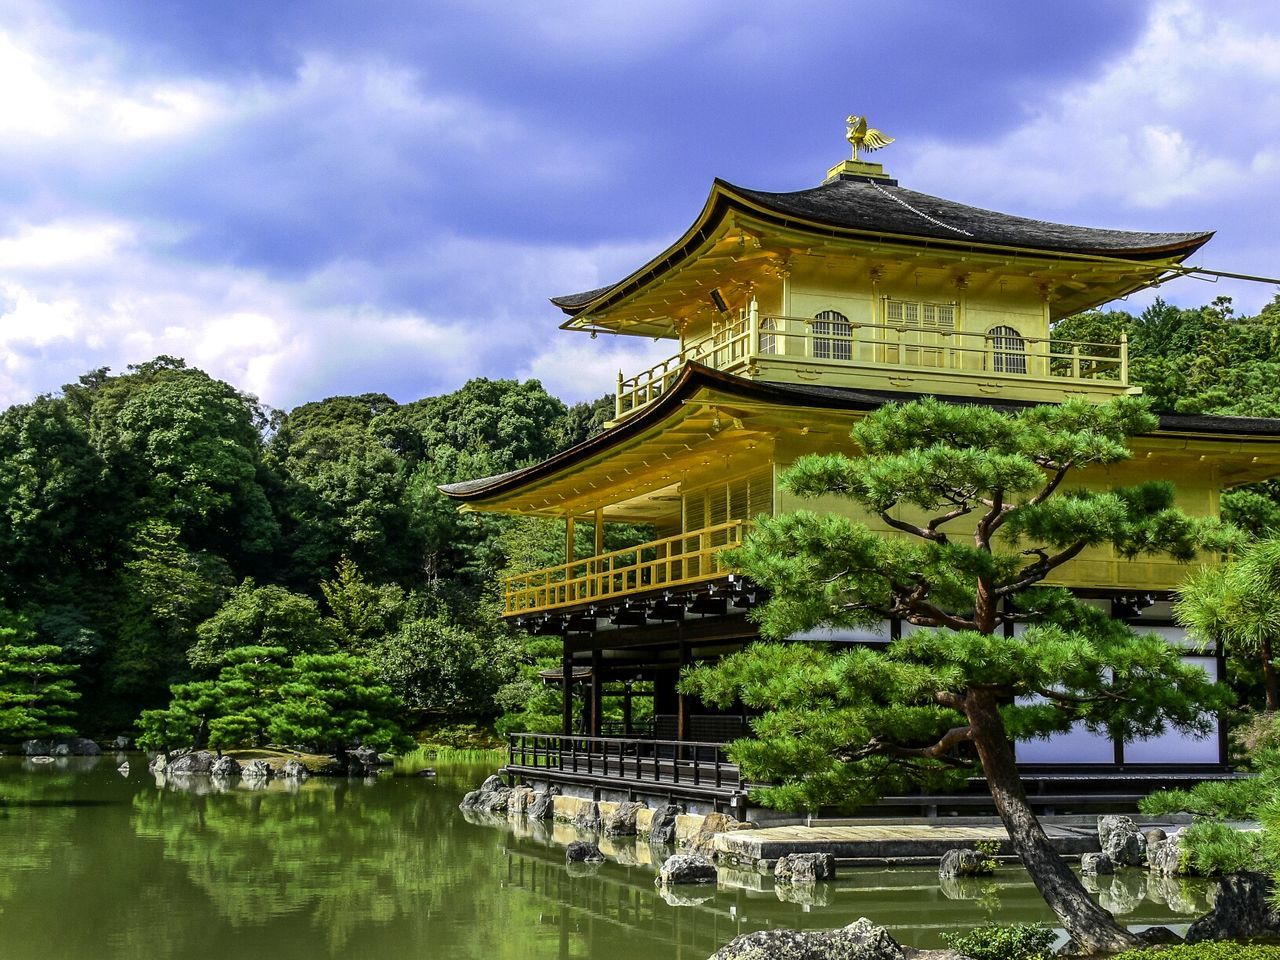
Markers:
637,761
685,558
894,345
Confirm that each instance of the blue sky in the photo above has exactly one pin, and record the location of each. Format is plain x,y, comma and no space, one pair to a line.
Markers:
319,198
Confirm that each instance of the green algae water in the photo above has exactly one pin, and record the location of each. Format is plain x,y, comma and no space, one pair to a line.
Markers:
95,865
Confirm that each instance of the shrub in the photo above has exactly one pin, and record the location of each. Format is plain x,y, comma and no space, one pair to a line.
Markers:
1219,799
1205,950
1213,849
994,941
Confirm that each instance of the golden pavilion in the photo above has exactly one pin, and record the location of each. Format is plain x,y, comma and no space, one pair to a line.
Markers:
790,316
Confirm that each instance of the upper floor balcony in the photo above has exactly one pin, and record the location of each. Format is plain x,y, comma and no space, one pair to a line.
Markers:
686,558
914,347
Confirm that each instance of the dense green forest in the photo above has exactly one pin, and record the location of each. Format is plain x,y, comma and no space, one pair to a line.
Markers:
159,527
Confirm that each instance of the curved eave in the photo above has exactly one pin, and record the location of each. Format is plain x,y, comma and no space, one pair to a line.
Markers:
695,377
726,198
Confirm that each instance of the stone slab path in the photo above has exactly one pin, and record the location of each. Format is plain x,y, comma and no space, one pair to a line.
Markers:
887,843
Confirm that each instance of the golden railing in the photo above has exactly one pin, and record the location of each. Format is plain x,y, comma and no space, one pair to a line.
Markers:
904,346
685,558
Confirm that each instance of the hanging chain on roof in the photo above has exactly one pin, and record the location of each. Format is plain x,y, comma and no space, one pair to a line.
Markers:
934,220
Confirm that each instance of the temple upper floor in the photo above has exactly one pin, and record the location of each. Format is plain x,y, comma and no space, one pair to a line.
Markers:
862,283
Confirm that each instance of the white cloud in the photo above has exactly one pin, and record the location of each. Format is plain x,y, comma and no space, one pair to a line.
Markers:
46,98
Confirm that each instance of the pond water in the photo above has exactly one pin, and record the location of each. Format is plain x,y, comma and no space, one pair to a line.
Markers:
98,865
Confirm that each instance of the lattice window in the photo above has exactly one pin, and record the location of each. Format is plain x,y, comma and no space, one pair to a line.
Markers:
768,336
1008,350
913,315
832,336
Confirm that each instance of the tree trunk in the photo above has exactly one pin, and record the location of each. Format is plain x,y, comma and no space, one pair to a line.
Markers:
1092,928
1269,677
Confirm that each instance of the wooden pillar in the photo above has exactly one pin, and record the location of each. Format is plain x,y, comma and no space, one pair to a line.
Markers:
597,692
626,709
599,531
568,540
567,692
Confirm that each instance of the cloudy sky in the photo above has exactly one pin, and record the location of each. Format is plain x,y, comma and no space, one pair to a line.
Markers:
311,198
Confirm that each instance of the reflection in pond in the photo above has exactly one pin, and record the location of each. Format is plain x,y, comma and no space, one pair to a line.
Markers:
189,867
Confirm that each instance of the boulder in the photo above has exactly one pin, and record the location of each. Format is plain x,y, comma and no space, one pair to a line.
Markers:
1241,911
1096,864
804,868
121,743
686,868
366,757
521,797
1154,836
61,747
198,761
860,940
622,822
493,797
225,767
295,770
256,770
1122,841
1164,858
583,851
587,819
541,806
662,828
964,863
704,841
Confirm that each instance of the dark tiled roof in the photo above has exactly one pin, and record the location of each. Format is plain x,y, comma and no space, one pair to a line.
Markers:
695,377
864,206
578,299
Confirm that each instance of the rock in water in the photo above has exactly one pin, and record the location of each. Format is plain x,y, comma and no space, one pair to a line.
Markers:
860,940
121,743
583,851
622,822
704,841
662,828
198,761
542,806
963,863
492,797
1164,858
1122,841
686,868
295,770
1241,911
41,759
256,770
587,818
805,868
225,767
123,769
1096,864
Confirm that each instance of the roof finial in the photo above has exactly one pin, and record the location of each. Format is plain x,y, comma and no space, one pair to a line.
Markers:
862,137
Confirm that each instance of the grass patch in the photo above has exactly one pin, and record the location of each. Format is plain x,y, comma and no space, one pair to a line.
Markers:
430,754
1207,950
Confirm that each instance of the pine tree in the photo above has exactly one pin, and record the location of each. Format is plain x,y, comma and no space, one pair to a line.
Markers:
996,657
36,690
1238,604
